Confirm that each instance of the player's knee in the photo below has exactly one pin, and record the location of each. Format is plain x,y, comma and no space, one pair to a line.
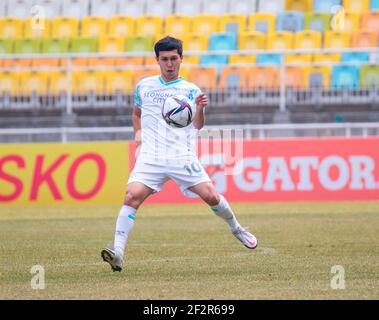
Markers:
132,199
211,197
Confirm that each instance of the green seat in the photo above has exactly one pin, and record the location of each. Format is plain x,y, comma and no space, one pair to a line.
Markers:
138,43
55,45
6,46
25,46
369,76
317,21
84,44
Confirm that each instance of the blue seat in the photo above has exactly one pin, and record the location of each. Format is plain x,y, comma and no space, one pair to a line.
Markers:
214,60
355,57
374,5
325,5
268,59
345,77
290,21
223,41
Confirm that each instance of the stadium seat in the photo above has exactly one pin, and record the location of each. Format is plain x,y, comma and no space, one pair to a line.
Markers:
131,8
262,22
215,7
103,8
52,8
75,8
222,41
34,82
251,40
345,77
139,74
193,59
25,46
11,28
280,41
118,81
58,83
355,57
9,83
111,44
204,77
49,63
177,25
308,40
93,27
234,77
149,61
188,8
337,39
369,76
242,59
317,21
101,62
326,57
263,77
294,77
290,21
138,43
121,26
55,45
364,39
149,25
233,23
244,7
210,59
19,8
317,77
352,21
64,27
84,44
195,42
268,59
271,6
356,5
161,8
325,5
299,5
40,30
128,61
374,5
370,21
298,58
88,81
205,24
24,63
6,46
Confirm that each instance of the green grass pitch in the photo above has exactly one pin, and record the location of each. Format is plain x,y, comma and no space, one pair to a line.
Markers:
185,252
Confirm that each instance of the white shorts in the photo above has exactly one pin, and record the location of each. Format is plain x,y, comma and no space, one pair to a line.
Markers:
185,175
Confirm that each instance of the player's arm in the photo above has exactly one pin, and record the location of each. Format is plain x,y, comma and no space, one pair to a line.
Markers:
136,120
199,119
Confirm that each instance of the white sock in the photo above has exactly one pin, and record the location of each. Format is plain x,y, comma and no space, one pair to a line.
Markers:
224,211
124,225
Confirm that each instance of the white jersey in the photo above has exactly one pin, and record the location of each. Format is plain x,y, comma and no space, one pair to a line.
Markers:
161,142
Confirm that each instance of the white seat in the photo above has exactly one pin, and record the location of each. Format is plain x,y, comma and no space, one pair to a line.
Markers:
160,8
103,8
51,8
188,8
132,8
271,6
75,8
245,7
215,7
19,8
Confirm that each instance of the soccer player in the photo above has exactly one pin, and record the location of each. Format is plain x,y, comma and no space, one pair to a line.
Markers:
164,152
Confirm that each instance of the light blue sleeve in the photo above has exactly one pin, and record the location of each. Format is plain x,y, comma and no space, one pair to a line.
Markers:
137,96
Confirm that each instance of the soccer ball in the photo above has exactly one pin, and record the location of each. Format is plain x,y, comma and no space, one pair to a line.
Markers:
177,111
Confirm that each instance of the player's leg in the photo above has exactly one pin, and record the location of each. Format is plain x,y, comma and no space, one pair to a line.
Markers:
221,208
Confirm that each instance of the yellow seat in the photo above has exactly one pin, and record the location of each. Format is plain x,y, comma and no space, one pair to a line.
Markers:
205,24
298,58
195,59
263,77
262,22
317,76
121,26
364,39
280,40
11,28
195,42
128,61
299,5
336,39
308,40
9,82
58,82
39,29
34,82
233,23
149,25
112,44
177,26
326,57
294,77
118,81
94,26
252,40
64,27
139,74
352,21
234,77
242,59
204,77
356,5
88,81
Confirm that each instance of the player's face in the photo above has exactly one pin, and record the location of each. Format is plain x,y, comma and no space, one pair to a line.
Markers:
169,62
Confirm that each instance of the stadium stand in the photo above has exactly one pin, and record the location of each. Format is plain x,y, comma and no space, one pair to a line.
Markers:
319,55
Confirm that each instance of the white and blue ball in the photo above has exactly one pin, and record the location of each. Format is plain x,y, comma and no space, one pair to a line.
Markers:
177,111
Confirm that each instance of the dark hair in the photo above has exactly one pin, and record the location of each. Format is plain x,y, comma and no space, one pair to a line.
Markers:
167,44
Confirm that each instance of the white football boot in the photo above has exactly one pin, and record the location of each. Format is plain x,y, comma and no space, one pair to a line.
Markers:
248,240
109,255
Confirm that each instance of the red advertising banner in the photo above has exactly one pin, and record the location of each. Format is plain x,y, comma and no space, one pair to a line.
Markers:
287,170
